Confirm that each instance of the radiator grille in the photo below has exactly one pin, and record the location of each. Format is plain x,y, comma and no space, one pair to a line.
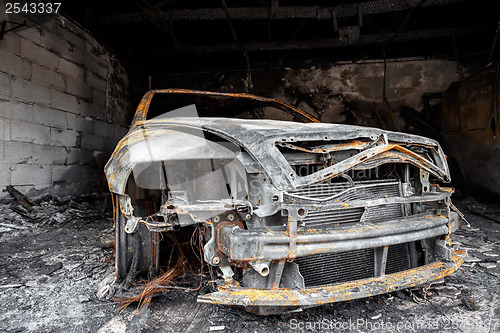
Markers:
328,218
328,268
398,258
346,192
383,212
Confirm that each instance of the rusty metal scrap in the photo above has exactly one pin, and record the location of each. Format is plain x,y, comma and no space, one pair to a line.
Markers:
24,200
335,293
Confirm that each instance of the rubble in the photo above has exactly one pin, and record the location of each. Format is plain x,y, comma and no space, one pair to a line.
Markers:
80,295
45,251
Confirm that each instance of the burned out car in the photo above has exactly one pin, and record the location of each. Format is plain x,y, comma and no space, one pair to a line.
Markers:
295,213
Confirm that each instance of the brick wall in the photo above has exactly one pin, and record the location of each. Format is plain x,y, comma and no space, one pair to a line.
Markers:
63,108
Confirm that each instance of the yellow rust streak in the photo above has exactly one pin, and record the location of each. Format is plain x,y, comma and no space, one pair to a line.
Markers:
446,189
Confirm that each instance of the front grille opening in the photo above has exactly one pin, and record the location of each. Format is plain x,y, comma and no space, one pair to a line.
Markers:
363,190
329,268
324,219
398,258
404,256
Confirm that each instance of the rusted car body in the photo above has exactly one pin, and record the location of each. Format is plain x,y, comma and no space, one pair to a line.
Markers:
469,129
296,214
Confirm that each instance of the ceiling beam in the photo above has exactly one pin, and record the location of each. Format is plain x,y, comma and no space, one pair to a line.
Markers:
372,39
280,13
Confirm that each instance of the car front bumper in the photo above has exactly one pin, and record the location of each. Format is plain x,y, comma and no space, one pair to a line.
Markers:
247,297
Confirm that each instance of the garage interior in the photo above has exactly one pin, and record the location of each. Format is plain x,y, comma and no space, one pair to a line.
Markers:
70,83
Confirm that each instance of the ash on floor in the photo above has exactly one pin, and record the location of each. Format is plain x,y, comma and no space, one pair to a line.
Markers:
56,259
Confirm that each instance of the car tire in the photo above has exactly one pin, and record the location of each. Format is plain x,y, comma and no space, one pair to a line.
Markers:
136,254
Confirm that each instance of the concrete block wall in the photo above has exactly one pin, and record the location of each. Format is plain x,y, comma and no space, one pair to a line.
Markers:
63,108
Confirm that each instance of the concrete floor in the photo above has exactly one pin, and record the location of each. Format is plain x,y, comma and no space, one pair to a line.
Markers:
50,276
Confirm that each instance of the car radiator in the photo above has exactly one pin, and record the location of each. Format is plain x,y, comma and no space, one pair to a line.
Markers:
345,192
328,268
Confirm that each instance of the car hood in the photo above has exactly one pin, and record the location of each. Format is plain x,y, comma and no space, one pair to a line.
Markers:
160,139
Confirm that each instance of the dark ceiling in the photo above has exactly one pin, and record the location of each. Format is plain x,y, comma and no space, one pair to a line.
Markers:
173,36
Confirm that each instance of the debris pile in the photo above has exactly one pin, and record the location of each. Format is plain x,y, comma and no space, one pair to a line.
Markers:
53,210
55,251
486,252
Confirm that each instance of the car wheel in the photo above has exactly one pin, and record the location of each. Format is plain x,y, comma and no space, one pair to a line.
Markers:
136,254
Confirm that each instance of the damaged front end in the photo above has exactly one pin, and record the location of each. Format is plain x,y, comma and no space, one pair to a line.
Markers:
295,215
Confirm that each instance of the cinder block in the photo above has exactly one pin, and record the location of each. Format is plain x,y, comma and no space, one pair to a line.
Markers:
91,62
4,174
93,110
120,131
110,144
64,137
38,54
12,64
100,158
5,109
29,92
92,142
102,128
65,102
42,188
93,174
78,88
79,123
99,98
10,43
71,70
29,153
25,174
49,155
56,44
28,132
47,78
51,117
4,85
4,128
70,36
79,156
96,81
103,69
2,150
66,173
70,188
21,111
19,152
32,34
